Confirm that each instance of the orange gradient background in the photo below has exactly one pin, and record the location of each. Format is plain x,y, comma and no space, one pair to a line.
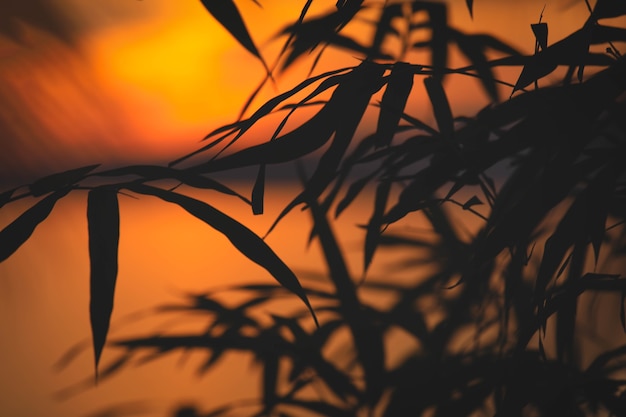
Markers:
144,81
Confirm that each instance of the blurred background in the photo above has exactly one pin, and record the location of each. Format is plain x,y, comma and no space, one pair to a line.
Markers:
144,80
131,81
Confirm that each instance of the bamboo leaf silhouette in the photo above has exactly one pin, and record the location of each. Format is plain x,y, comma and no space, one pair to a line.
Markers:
353,191
307,35
375,223
309,348
258,191
226,12
540,30
352,97
5,197
248,243
62,179
470,6
104,228
441,106
438,25
600,191
367,338
394,100
243,126
185,176
384,26
473,47
18,232
308,137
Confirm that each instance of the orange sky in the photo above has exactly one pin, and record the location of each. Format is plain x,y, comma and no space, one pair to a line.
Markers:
145,80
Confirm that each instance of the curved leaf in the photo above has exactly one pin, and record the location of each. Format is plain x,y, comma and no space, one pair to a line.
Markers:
226,12
246,241
61,179
16,233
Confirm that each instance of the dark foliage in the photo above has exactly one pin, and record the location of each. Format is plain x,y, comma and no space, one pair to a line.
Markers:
501,335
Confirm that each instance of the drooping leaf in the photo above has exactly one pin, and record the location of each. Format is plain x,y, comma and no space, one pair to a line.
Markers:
306,36
227,14
472,47
246,241
258,191
399,86
308,137
104,228
243,126
348,103
16,233
441,106
367,337
375,223
353,191
185,176
59,180
438,23
470,6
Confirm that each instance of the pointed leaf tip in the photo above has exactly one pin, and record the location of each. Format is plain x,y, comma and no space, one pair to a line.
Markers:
242,238
18,232
470,7
227,14
103,227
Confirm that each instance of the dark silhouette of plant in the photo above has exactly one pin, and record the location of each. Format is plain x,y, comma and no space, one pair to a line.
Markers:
494,317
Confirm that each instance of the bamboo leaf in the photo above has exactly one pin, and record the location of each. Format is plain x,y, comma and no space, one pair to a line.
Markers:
470,6
258,191
367,337
441,106
384,26
16,233
227,14
353,191
439,35
248,243
104,229
372,237
59,180
540,30
187,177
399,86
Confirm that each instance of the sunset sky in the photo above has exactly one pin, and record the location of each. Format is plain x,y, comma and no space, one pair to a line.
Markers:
136,81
